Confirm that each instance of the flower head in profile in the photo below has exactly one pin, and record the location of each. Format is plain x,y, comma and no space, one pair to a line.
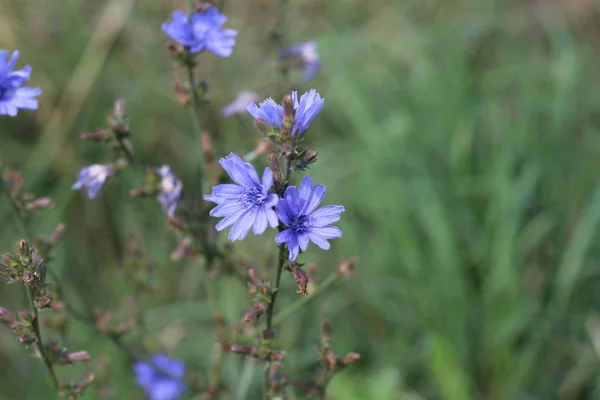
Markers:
13,95
246,204
161,378
238,106
171,190
302,56
201,31
298,212
305,111
92,178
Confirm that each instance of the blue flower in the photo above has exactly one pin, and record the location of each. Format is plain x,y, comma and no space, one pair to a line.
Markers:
268,111
161,378
247,204
302,56
170,190
202,31
305,111
92,178
12,95
298,212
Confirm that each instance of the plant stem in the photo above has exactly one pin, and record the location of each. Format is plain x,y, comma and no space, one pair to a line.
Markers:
271,307
280,262
39,344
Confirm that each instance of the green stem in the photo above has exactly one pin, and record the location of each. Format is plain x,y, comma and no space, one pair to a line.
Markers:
275,291
271,307
39,344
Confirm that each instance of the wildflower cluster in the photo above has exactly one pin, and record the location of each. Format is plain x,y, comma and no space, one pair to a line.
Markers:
243,200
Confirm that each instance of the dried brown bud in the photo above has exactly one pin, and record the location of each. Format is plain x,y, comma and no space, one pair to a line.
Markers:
253,277
182,249
97,136
331,360
350,358
256,311
288,108
36,204
286,150
242,349
207,148
6,316
182,94
58,232
301,280
346,269
79,356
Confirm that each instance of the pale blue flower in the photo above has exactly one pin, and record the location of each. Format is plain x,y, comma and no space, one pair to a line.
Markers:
246,204
238,106
171,190
12,94
302,56
298,212
202,31
92,178
161,378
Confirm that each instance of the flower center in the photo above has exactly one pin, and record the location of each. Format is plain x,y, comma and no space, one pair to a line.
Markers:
253,197
300,224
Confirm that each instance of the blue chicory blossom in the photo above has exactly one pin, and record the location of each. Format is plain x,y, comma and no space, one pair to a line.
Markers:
161,378
12,94
302,56
306,109
246,204
170,190
298,212
201,31
92,178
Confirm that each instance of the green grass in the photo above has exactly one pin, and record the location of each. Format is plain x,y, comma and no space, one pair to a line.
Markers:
461,138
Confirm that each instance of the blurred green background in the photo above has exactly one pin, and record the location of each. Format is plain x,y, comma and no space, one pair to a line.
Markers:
462,137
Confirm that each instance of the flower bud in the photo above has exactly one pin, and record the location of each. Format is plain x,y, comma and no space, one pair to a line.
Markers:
79,356
97,136
288,109
36,204
301,279
263,127
6,316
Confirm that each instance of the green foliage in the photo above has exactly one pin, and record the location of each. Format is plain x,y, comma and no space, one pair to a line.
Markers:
462,139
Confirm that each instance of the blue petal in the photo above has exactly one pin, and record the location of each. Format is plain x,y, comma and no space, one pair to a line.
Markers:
243,225
326,215
328,232
314,199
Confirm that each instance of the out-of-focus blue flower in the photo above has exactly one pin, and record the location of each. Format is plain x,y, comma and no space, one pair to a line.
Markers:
92,178
170,190
161,378
302,56
238,106
305,111
247,204
298,212
202,31
12,94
